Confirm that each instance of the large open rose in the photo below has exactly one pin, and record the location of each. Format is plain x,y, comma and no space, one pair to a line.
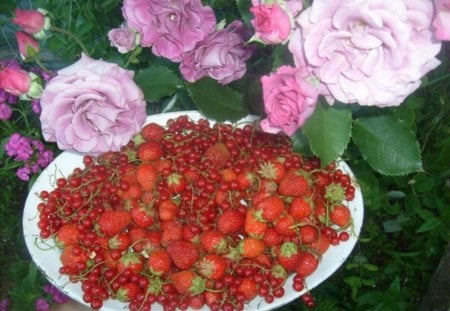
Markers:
370,52
170,27
220,56
92,107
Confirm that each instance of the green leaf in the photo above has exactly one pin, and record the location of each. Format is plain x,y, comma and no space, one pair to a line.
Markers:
388,146
328,131
217,101
244,9
429,225
157,81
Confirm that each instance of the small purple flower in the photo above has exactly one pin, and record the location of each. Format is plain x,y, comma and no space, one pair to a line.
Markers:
12,63
45,158
5,112
36,106
42,305
23,173
58,296
19,147
4,304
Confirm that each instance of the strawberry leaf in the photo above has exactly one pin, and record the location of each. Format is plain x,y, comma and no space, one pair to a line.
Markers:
328,131
157,82
387,145
217,101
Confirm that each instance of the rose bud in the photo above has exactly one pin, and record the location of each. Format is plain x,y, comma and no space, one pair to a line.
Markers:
28,46
20,83
124,39
33,22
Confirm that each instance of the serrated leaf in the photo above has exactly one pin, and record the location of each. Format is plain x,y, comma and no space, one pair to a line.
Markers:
300,143
388,146
216,101
157,81
328,131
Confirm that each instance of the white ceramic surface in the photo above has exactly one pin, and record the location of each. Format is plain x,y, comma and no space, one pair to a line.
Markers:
46,257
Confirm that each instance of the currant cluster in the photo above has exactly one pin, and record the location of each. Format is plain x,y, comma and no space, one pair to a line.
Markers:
194,214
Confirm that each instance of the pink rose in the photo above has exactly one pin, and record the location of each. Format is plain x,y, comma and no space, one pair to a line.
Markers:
293,7
28,46
272,23
289,100
369,52
15,81
221,56
31,21
124,39
92,107
441,20
170,27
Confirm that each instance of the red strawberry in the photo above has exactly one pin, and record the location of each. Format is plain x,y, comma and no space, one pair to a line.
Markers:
72,255
132,262
300,208
136,237
218,154
294,184
152,131
271,207
273,170
187,282
212,266
272,237
167,210
248,287
213,241
231,221
150,151
321,245
183,253
251,248
142,216
340,215
212,297
308,234
133,191
285,225
146,176
159,262
172,230
119,242
254,225
245,180
228,175
112,222
308,264
128,291
176,183
67,235
289,256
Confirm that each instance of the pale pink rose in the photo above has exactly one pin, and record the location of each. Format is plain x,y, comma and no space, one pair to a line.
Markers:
369,52
92,106
28,46
15,81
170,27
124,39
289,100
220,56
441,20
272,23
31,21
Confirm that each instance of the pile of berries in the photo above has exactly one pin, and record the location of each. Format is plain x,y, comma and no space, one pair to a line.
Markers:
194,214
